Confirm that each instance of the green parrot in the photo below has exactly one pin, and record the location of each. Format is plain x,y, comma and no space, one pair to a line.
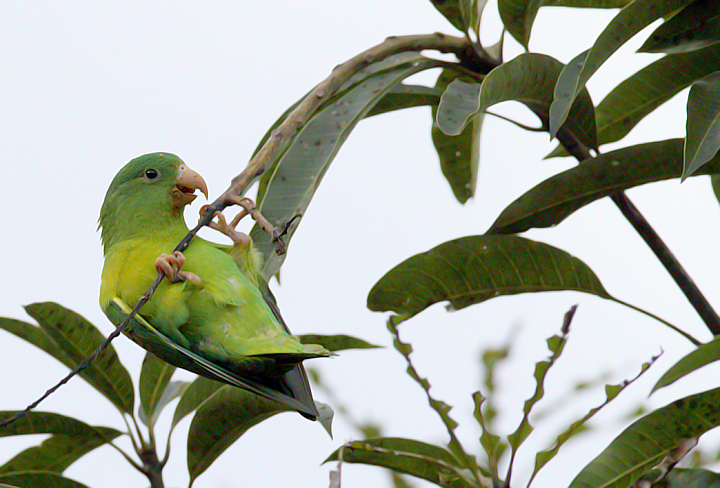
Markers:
215,317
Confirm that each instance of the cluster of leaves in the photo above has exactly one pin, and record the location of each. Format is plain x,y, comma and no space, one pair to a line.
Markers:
221,413
473,269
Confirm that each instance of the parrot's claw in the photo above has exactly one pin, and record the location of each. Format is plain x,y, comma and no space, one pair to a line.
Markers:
248,208
170,264
238,238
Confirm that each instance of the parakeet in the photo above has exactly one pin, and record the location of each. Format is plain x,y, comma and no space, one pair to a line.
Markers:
215,316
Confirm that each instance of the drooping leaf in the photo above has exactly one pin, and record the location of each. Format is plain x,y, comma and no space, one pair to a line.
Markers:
155,375
457,12
459,153
648,440
473,269
694,27
703,355
518,17
197,392
291,183
38,479
338,342
407,456
35,422
629,21
78,338
611,392
220,421
38,338
59,451
458,103
703,123
530,79
554,199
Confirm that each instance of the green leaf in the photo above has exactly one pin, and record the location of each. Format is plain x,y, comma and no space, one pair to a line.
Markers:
648,440
198,391
586,3
338,342
703,123
493,446
628,22
640,94
38,338
691,478
459,153
38,479
611,392
155,375
715,183
59,451
554,199
530,79
220,421
405,96
473,269
458,103
703,355
694,27
35,422
518,17
407,456
290,185
457,12
556,345
78,338
637,96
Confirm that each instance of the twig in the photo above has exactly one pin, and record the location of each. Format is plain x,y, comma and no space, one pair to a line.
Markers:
465,51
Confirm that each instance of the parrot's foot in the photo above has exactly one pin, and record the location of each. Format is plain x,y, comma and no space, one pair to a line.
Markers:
249,208
238,238
170,264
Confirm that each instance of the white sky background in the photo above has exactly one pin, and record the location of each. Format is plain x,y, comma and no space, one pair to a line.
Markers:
88,86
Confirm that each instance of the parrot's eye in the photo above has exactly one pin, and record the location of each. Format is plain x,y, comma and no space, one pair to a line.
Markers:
151,174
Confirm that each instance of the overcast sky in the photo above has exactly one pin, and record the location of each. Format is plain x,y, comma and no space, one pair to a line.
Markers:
87,86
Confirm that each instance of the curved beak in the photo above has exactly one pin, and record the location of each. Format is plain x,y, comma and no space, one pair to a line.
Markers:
186,183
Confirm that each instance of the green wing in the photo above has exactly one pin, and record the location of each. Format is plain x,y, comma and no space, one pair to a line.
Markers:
292,383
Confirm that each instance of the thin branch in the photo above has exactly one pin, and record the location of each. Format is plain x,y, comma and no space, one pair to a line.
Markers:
653,240
460,46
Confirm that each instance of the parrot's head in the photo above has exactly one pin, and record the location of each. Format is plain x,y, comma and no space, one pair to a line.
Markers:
150,192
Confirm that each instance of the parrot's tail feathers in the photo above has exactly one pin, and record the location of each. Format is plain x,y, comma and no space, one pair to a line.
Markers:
290,388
